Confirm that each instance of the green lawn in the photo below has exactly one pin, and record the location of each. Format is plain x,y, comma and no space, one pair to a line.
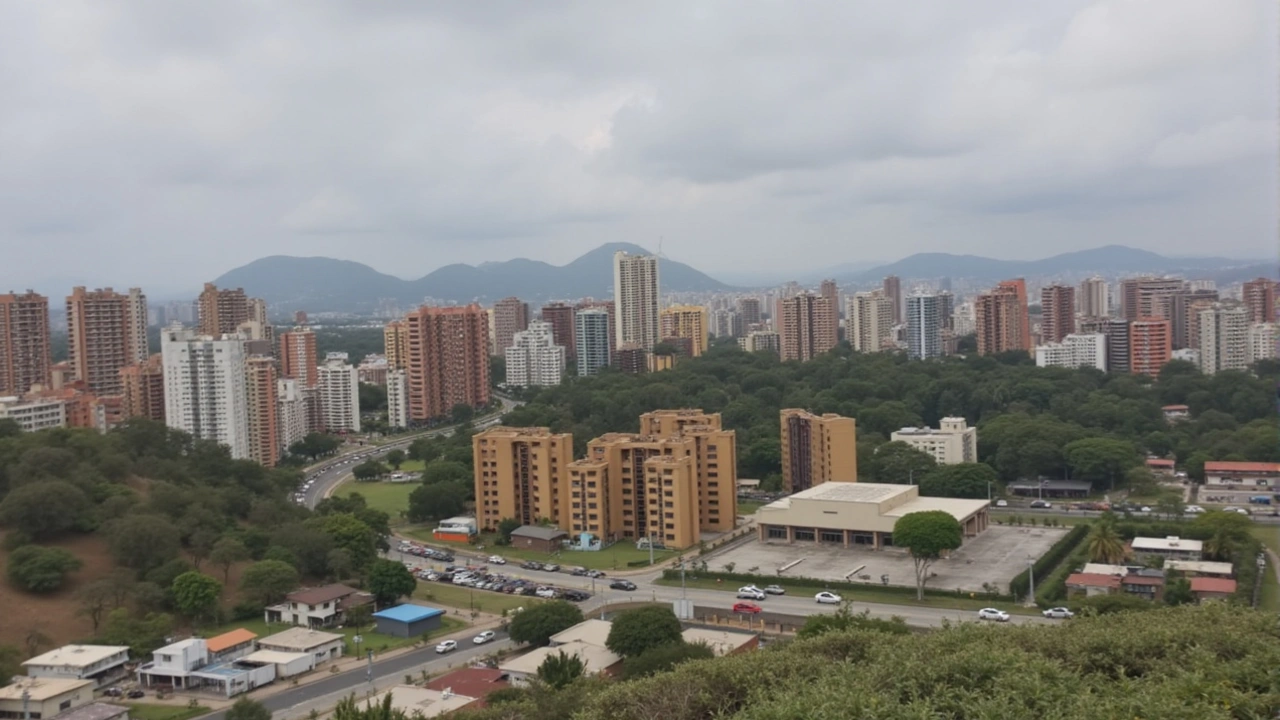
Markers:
147,711
415,466
749,507
907,597
447,595
391,498
1269,535
614,557
373,640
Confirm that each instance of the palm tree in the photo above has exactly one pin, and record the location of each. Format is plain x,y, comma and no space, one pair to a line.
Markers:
1105,546
560,670
1219,546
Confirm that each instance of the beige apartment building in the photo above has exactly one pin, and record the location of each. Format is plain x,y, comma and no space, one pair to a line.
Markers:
24,342
395,344
952,443
519,474
817,449
686,321
807,329
106,331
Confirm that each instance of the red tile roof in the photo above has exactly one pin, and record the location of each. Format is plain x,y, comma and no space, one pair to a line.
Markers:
1159,462
1142,580
1094,580
1230,466
471,682
1174,408
1213,585
228,640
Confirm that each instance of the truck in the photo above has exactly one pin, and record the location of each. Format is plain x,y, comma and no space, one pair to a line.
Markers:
1260,500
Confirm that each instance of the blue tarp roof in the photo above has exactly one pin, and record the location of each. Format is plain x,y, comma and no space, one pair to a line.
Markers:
408,613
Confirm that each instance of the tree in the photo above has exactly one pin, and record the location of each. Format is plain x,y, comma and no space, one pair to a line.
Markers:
664,657
536,624
1101,460
228,551
1178,592
142,635
369,470
445,471
350,534
900,463
246,709
1104,545
435,502
845,619
315,445
396,458
143,542
389,581
927,536
506,526
196,594
962,480
560,669
41,569
635,631
348,708
462,413
373,398
200,545
44,509
268,581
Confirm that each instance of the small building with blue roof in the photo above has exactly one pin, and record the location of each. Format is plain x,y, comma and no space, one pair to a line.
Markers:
408,620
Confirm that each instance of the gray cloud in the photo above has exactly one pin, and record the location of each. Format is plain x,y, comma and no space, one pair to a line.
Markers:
161,143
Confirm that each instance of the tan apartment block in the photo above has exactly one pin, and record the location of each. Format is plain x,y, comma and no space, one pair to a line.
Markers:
24,342
686,321
106,331
671,500
262,399
448,360
142,386
519,473
395,344
715,450
817,449
298,358
221,312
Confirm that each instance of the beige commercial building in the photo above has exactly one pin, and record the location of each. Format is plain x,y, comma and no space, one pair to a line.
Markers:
42,698
817,449
686,321
519,474
952,443
858,514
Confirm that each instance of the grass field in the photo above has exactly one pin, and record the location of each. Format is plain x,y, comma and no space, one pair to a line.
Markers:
371,640
447,595
872,596
614,557
1269,535
147,711
390,498
749,507
415,466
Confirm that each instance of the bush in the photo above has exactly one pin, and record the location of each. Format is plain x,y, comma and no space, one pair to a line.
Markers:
41,569
1021,582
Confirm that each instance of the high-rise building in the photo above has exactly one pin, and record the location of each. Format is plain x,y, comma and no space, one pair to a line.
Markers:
1075,350
1001,319
106,331
395,344
592,332
1018,287
1058,312
1263,339
397,398
448,361
749,309
924,327
715,461
610,309
807,331
510,316
817,449
534,358
1224,338
1094,297
1116,331
631,359
954,442
519,474
686,321
761,341
1147,297
869,321
221,312
142,385
298,356
636,292
726,323
1184,315
1150,346
262,408
947,310
892,290
338,384
204,387
561,319
1259,298
831,291
292,421
24,342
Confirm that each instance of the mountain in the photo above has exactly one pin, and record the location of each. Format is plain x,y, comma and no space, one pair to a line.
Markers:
321,284
1109,260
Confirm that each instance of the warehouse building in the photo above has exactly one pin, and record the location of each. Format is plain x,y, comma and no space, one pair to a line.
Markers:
408,620
858,514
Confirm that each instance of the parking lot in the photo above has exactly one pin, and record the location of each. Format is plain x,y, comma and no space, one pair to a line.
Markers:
995,557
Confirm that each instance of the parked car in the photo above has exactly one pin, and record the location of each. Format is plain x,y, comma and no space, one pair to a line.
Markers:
551,567
595,574
751,592
1194,509
577,595
446,646
775,590
746,607
828,598
993,614
622,585
1002,503
1059,613
113,692
531,565
546,592
578,572
135,694
484,637
1041,504
1144,508
497,560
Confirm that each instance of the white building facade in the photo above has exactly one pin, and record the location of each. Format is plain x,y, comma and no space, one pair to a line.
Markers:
535,359
761,341
592,339
1075,350
635,294
924,327
338,383
397,398
291,412
33,415
1224,338
204,387
951,443
1263,338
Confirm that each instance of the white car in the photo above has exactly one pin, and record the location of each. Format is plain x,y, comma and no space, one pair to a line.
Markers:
447,646
993,614
1002,503
1059,613
1194,509
483,637
751,592
497,560
546,592
828,598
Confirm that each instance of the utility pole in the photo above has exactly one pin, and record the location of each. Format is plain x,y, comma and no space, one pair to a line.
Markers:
368,673
1031,575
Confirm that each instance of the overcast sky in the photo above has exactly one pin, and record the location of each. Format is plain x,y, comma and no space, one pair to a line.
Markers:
162,143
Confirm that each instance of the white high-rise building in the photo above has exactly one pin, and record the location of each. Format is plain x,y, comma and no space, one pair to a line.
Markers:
338,384
1075,350
761,341
924,327
1094,299
635,295
291,412
1263,338
725,323
204,387
591,338
397,398
535,359
1224,338
869,321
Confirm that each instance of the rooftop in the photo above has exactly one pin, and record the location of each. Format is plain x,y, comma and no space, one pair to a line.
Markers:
1213,585
1076,485
93,711
42,689
539,533
1229,466
1104,569
473,682
228,640
1200,566
1093,580
854,492
78,655
1167,543
298,638
320,595
958,508
721,642
591,632
414,700
408,613
1141,580
273,657
181,645
595,659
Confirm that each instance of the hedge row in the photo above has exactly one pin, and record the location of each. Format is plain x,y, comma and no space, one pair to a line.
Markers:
896,591
1021,583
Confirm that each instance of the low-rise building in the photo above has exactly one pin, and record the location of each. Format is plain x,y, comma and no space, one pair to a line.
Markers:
230,645
287,664
1147,584
40,698
1250,476
408,620
1200,568
415,701
102,664
94,711
1212,588
1174,413
596,661
536,537
456,529
471,682
172,665
951,443
591,632
33,415
1169,548
324,606
1163,466
323,646
1091,584
722,642
1050,488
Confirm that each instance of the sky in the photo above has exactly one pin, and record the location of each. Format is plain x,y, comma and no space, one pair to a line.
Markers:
162,143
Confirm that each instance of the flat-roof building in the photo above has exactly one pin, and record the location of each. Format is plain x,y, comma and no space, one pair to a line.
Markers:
100,663
43,697
952,443
408,620
94,711
1170,548
817,449
323,646
596,661
722,642
415,701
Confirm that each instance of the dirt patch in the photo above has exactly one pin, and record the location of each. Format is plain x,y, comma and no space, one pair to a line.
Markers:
53,615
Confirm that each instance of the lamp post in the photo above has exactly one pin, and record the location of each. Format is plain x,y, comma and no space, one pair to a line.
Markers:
1031,575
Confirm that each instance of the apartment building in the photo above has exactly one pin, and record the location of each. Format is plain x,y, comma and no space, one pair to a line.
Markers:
891,289
686,321
1075,350
298,356
510,316
817,449
1148,297
631,359
1263,339
610,309
953,442
761,341
1184,316
395,344
1001,319
106,331
35,413
24,342
636,293
725,323
397,398
1224,338
592,334
1150,346
292,414
807,330
221,312
533,359
519,474
262,407
924,327
338,385
560,317
831,291
1259,296
448,360
869,321
1116,332
204,387
1058,312
715,461
1094,297
749,311
142,389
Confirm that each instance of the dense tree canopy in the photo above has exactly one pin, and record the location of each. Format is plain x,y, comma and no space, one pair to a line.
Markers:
636,631
41,569
537,623
926,536
389,581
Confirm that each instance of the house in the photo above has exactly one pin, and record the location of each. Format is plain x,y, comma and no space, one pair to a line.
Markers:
1169,548
95,711
722,642
1198,568
1052,489
1212,588
1146,584
230,645
229,679
172,665
1174,413
101,663
1160,465
188,665
596,661
456,529
1244,476
408,620
318,607
1091,584
415,701
323,646
591,632
44,697
1104,569
472,682
287,664
534,537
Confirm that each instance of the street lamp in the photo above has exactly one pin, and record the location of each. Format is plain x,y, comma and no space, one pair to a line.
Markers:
1031,575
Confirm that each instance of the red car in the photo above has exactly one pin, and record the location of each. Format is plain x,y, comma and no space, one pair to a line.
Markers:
746,607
